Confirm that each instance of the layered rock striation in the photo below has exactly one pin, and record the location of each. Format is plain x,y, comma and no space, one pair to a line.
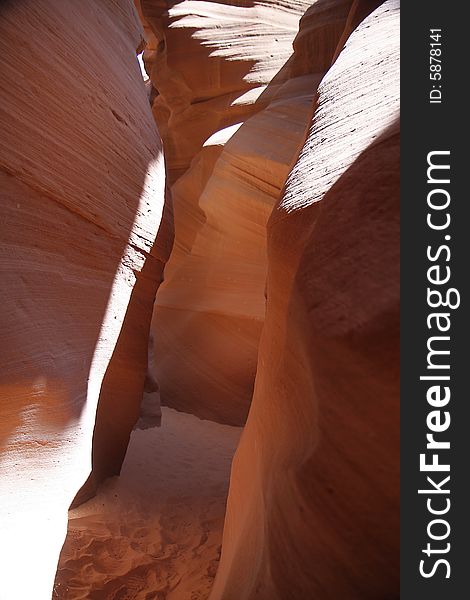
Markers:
84,239
236,108
280,129
314,492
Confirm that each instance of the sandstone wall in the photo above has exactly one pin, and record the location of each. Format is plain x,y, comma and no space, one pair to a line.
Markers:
313,502
82,186
246,97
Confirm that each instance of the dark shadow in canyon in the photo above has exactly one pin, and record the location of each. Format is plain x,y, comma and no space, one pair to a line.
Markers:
320,31
123,384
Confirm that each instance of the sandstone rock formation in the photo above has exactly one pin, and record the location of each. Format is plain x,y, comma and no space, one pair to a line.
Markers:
246,98
280,131
82,184
208,62
313,501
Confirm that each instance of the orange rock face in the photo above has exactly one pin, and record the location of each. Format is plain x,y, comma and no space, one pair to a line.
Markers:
209,62
313,501
246,98
82,185
280,299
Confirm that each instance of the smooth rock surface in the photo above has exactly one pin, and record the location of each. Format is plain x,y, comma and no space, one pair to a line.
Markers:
313,509
209,62
82,185
210,308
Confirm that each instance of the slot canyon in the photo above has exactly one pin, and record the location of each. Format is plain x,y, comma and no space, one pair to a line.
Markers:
199,364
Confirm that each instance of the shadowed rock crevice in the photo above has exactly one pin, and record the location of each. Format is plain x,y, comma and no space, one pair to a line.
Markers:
210,309
122,390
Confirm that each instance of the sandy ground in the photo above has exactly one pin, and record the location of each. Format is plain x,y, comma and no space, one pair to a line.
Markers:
154,533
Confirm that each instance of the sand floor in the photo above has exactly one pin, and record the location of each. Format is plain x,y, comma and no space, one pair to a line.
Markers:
154,533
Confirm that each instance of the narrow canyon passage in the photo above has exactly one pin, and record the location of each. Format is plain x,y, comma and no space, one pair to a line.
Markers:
239,207
155,532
